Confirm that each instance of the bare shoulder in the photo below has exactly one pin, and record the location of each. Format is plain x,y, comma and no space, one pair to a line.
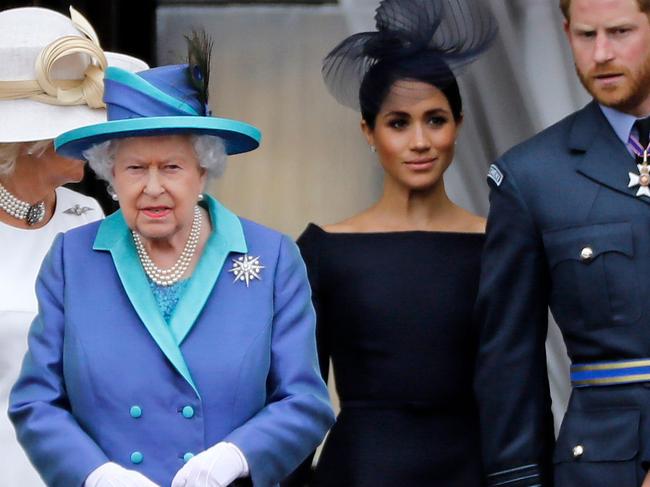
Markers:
470,223
354,224
477,224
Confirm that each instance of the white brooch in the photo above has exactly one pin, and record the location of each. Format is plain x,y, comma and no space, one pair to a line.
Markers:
642,180
246,269
78,210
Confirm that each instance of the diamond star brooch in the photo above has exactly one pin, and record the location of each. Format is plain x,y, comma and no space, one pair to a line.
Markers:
246,269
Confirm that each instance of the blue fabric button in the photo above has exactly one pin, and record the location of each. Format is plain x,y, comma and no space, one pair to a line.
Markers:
137,457
136,411
188,412
188,456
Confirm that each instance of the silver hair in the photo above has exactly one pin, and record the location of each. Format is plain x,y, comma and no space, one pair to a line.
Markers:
210,152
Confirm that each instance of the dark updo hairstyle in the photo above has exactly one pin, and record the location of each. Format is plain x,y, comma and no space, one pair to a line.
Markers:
427,68
417,40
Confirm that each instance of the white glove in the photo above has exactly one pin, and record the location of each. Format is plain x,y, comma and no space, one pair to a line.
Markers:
112,475
218,466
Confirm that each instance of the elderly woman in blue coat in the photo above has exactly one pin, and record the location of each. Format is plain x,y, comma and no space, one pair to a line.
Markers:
175,341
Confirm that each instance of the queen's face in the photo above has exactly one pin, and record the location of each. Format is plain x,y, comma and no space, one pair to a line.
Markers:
414,134
157,181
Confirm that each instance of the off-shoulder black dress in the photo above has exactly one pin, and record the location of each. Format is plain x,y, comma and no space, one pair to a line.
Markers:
395,317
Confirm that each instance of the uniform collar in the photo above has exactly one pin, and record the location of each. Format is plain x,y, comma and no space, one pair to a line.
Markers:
622,123
603,156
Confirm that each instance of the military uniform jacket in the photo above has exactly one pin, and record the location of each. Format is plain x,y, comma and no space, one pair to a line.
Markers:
106,378
564,231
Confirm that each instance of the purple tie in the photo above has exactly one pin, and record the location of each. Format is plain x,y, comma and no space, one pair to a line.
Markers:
638,146
643,128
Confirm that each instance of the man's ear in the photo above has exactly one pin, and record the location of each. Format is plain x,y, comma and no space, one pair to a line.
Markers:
567,28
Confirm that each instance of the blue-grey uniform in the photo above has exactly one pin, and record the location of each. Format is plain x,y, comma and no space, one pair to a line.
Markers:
567,229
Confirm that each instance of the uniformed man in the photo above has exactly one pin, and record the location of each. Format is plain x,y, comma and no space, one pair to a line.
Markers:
569,228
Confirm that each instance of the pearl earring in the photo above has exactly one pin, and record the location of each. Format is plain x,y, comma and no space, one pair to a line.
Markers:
200,196
111,192
373,148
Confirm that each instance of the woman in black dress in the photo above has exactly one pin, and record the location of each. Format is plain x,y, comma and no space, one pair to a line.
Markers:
394,285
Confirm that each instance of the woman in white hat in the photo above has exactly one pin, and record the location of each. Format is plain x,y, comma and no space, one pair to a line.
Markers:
51,70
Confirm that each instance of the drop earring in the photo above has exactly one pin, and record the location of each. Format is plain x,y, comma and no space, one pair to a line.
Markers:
373,148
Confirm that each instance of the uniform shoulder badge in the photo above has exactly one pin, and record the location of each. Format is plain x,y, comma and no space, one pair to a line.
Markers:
495,174
78,210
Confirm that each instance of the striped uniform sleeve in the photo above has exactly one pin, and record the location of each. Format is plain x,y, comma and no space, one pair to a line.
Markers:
511,381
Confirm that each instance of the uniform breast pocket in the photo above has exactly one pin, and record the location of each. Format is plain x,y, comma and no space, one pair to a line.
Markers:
593,276
598,449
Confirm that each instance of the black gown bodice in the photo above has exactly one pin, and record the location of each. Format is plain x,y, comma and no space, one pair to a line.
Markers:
395,317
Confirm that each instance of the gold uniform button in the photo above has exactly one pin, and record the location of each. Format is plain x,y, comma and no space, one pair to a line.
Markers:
586,254
578,450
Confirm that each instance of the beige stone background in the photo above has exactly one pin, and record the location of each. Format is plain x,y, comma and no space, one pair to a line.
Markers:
313,164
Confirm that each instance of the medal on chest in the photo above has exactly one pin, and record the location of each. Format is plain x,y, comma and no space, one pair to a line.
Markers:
642,179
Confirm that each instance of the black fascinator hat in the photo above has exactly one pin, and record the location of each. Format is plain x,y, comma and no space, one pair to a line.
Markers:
434,38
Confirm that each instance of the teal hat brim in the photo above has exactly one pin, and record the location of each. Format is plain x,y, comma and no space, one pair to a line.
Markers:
238,136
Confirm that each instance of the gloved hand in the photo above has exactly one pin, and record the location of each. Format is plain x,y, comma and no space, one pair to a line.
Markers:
218,466
113,475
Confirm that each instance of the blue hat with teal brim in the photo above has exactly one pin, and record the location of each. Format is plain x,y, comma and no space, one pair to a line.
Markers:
158,101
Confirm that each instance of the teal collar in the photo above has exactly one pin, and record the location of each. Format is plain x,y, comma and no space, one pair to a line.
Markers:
227,236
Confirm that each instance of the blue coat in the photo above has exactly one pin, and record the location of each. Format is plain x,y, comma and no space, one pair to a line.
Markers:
107,378
564,231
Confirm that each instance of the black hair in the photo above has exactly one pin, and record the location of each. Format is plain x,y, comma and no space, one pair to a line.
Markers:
424,67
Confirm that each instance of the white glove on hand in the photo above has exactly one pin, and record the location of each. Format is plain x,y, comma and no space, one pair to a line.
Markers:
218,466
112,475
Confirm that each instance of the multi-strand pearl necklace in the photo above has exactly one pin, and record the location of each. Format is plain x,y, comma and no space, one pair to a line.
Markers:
170,276
21,210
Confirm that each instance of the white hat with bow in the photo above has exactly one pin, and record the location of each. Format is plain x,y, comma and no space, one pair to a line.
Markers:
51,73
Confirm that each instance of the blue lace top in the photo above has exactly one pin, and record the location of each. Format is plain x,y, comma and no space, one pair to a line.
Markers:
167,297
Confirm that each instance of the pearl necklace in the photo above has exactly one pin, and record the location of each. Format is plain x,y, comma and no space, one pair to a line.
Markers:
21,210
170,276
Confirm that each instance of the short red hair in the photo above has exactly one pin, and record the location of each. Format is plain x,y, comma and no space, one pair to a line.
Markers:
644,6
